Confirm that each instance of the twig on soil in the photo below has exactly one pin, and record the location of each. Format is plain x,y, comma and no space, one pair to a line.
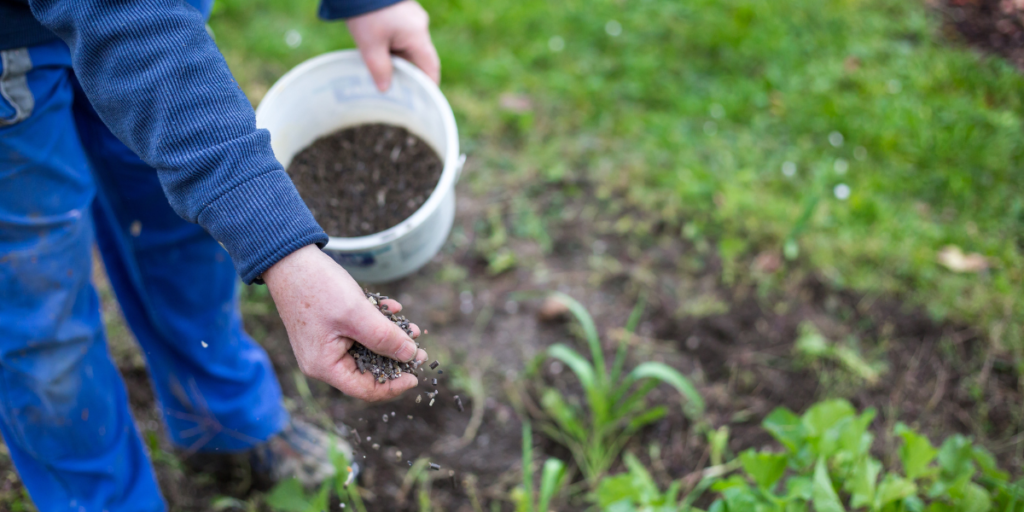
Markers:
409,479
476,418
470,484
709,472
986,369
940,390
690,481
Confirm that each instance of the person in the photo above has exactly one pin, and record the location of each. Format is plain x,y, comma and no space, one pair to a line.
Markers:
122,127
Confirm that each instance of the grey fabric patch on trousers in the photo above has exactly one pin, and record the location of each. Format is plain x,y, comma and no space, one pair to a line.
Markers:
14,85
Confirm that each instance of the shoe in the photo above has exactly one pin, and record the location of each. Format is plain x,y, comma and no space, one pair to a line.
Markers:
301,451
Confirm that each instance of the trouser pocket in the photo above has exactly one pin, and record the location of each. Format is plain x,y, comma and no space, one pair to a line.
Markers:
16,100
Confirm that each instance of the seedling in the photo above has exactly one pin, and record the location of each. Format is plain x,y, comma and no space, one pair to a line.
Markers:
616,401
553,478
291,496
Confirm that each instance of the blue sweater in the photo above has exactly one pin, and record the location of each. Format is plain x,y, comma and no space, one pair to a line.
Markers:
159,83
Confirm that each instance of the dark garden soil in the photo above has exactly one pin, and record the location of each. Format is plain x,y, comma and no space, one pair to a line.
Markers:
738,347
996,26
365,179
735,340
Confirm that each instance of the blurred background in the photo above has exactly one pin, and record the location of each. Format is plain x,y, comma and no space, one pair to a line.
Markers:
810,199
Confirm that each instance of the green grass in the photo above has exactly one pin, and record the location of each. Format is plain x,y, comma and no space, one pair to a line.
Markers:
687,116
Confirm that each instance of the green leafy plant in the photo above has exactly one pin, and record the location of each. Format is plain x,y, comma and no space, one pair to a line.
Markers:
827,464
616,400
813,345
291,496
636,491
553,477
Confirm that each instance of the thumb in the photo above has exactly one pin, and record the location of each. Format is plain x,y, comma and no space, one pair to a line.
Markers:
378,60
379,334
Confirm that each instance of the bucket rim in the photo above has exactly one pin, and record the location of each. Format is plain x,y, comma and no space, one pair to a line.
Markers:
450,157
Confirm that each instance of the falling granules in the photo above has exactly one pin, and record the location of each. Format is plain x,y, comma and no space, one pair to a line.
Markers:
381,367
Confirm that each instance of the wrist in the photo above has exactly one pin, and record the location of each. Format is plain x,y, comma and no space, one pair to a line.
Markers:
297,259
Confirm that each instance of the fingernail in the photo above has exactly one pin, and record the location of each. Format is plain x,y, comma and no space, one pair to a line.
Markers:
383,86
406,352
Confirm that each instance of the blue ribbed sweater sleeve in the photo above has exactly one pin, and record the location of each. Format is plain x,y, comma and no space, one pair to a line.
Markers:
335,9
157,79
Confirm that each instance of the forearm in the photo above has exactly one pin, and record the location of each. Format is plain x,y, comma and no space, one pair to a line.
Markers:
158,81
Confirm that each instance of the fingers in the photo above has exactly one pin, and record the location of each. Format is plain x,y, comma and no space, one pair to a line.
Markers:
348,380
396,307
421,52
393,305
377,56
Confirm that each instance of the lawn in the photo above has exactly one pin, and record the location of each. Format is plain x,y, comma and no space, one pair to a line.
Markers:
750,199
848,134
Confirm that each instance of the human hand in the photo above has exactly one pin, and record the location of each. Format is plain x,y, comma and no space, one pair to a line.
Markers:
400,29
324,312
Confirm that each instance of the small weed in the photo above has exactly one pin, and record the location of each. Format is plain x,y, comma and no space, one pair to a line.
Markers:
291,496
553,478
813,346
616,401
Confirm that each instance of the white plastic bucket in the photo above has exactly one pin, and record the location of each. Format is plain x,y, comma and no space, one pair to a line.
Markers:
335,91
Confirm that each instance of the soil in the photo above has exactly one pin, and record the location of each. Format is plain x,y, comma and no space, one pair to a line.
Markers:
365,179
996,26
734,339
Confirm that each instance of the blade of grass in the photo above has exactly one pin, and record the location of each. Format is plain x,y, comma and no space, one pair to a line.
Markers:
528,465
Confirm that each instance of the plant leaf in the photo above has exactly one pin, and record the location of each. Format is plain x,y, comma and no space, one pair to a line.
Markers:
635,399
893,488
988,465
564,415
694,407
916,453
581,367
226,503
650,416
854,439
863,481
552,477
824,422
642,479
824,415
528,463
975,499
288,496
765,468
785,427
811,342
589,329
956,457
799,488
740,498
612,489
824,496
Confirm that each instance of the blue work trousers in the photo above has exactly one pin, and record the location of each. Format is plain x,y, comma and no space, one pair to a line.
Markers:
67,185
